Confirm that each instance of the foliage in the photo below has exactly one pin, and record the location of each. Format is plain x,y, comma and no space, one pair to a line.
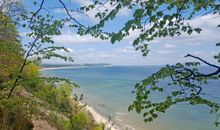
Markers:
41,29
59,100
190,81
14,114
8,32
17,120
185,85
153,19
11,8
99,127
57,97
9,47
24,94
80,121
58,122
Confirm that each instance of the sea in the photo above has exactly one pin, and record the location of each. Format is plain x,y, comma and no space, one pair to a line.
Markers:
108,89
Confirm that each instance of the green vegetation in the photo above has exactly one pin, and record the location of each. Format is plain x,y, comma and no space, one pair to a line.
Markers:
65,112
25,96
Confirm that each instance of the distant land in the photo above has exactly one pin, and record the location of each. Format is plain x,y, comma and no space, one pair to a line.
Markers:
73,65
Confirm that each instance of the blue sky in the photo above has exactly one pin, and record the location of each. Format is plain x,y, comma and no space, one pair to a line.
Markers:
86,49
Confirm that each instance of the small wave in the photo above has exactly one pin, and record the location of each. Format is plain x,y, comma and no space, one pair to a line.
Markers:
118,119
125,126
128,126
121,113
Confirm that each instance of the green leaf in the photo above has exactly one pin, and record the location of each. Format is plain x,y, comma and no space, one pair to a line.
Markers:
138,13
190,31
198,30
160,13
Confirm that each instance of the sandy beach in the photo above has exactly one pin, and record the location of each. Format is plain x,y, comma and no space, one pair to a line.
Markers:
67,67
101,119
56,68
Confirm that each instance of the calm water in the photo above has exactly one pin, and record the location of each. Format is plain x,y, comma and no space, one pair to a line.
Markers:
108,90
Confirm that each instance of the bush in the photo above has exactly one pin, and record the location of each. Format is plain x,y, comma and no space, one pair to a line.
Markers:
59,122
81,121
16,118
100,126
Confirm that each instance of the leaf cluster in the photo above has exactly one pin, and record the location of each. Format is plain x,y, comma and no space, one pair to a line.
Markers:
185,85
153,19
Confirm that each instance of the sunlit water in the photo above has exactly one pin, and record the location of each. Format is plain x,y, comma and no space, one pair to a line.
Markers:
108,90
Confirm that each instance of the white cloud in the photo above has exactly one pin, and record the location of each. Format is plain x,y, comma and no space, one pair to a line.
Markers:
164,51
204,54
169,46
93,56
207,23
91,49
23,34
70,50
64,52
124,12
83,2
73,38
72,13
127,49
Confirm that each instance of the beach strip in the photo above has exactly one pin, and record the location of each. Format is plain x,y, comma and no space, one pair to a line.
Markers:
101,119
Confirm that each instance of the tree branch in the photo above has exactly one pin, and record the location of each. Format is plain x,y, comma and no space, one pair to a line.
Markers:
198,58
22,67
68,13
31,19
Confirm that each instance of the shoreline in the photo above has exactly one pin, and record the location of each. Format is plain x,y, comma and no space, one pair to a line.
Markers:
57,68
68,67
99,118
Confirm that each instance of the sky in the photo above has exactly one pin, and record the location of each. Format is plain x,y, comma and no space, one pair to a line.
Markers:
86,49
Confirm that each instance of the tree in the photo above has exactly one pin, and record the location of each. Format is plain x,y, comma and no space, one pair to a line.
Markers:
24,94
10,49
41,29
11,8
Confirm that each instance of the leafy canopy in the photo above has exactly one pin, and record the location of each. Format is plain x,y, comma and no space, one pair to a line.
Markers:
153,19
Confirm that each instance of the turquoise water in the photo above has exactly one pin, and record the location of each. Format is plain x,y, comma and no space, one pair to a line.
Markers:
108,90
